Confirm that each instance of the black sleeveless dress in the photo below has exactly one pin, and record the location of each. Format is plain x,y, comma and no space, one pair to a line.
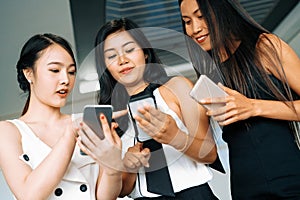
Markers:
264,158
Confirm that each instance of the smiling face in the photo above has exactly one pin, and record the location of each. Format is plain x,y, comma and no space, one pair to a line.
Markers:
195,24
53,77
124,59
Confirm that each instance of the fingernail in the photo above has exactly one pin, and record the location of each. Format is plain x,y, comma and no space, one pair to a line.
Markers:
101,116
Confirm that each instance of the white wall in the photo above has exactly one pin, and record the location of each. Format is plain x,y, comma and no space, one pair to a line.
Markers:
19,20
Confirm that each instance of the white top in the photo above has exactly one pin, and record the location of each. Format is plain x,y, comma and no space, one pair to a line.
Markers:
184,172
80,179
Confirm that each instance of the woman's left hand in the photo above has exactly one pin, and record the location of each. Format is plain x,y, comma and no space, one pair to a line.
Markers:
237,107
160,126
106,152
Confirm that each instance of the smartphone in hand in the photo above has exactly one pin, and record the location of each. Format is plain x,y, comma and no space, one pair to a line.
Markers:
134,104
206,88
91,114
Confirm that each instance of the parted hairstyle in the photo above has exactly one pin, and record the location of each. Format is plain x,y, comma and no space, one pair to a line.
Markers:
31,52
228,22
110,91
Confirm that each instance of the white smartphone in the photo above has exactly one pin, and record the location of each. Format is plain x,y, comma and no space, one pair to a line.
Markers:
206,88
91,114
134,105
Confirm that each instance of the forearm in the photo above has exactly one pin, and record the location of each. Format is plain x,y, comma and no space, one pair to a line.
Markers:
128,180
41,182
276,110
201,150
109,185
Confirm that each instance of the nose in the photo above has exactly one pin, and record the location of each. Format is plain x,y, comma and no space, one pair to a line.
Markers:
64,78
197,26
123,59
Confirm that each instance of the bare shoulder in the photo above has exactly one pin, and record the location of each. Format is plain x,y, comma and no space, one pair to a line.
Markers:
8,131
178,83
9,144
7,126
269,38
273,41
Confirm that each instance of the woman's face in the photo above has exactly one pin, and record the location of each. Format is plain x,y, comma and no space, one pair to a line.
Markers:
124,59
195,24
54,76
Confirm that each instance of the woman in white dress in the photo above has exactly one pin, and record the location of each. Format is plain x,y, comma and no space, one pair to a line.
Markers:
128,67
39,157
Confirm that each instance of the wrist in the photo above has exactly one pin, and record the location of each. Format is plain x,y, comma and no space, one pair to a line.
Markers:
256,111
181,142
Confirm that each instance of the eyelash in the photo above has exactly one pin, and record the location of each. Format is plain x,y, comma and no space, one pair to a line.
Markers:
111,57
115,55
72,72
129,50
56,71
187,22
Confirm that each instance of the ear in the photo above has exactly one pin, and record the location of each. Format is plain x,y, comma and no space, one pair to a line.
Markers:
28,73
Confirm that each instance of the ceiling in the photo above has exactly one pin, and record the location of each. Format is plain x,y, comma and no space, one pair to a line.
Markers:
164,14
78,21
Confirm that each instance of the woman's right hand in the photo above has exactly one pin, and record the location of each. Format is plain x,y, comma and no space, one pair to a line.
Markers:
136,157
106,152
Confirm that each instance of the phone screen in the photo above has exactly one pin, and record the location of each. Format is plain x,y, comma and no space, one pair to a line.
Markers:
91,114
134,105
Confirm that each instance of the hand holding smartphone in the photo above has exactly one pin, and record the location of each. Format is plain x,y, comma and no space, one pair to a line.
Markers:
134,105
206,88
91,114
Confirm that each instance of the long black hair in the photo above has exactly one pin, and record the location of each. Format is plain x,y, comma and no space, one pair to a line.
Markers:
228,22
110,91
31,52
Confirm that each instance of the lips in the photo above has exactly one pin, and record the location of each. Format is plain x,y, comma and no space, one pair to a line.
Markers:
126,70
62,92
202,38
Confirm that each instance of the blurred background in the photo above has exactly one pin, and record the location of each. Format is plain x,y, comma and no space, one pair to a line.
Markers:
78,22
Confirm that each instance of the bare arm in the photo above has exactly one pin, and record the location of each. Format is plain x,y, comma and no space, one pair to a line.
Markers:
135,158
198,144
291,66
238,107
25,182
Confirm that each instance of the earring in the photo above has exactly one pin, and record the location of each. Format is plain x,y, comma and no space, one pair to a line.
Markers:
29,81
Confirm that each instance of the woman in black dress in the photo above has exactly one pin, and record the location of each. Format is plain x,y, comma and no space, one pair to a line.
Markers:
261,73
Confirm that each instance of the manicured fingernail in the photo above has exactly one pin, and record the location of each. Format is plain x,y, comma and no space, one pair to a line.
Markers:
101,116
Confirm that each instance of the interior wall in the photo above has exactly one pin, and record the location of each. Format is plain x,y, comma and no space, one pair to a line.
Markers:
19,20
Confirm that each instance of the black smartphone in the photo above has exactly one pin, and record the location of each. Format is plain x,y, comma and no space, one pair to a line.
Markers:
91,114
133,105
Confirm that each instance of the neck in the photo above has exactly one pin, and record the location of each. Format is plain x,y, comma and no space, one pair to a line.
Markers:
137,88
38,112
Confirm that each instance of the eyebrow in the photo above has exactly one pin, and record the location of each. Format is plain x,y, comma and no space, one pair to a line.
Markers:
197,10
112,49
59,63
